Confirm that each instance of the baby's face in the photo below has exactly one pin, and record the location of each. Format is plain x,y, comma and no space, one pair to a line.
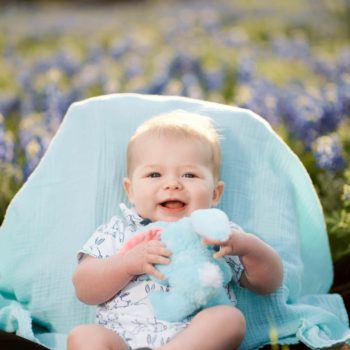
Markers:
171,177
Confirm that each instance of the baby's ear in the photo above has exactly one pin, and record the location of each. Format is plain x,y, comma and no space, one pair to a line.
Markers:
211,223
128,189
217,193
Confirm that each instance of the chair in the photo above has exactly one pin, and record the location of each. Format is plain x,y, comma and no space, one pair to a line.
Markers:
77,186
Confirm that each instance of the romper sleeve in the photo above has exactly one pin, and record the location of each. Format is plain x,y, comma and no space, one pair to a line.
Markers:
233,260
105,241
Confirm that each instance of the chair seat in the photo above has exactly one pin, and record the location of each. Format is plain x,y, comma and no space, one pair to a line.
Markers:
10,341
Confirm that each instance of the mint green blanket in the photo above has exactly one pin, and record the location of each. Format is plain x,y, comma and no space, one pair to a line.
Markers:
77,186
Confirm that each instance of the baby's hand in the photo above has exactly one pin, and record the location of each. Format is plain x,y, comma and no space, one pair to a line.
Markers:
227,247
141,258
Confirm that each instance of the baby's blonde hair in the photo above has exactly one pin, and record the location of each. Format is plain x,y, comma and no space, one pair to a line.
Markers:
183,124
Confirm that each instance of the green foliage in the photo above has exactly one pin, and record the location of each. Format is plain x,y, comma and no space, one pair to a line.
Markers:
333,189
11,179
338,215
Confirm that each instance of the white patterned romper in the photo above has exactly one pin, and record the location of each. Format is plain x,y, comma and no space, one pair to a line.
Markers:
130,313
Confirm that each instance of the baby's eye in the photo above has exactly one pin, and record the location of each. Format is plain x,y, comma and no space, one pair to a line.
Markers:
189,175
154,174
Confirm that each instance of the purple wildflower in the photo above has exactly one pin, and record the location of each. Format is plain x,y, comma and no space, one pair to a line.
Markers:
8,104
343,61
262,97
7,152
311,113
328,153
291,48
246,70
332,109
34,139
344,94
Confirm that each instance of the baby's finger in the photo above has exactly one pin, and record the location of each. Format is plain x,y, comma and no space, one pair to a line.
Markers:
208,241
158,259
222,252
156,241
151,270
156,244
158,250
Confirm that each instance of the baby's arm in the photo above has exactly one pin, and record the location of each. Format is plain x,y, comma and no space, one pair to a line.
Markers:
98,280
263,270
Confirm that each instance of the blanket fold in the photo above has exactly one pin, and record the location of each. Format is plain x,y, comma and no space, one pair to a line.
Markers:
14,318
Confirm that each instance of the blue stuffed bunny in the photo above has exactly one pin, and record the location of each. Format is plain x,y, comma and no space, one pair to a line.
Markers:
197,280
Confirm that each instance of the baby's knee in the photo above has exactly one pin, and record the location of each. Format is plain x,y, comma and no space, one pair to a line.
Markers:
94,337
235,323
239,320
84,336
75,337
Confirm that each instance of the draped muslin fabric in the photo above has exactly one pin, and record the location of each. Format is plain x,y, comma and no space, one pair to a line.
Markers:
77,186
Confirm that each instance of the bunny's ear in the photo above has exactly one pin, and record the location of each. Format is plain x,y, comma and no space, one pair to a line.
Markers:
211,223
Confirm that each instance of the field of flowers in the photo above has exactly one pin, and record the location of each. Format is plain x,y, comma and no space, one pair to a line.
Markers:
287,61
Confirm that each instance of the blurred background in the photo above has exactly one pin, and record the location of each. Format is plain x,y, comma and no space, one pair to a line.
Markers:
288,61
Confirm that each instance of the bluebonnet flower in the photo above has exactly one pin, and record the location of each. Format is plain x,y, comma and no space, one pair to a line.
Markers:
328,153
343,92
324,67
191,86
303,111
291,48
262,97
343,61
134,67
119,48
42,66
246,69
67,63
88,77
332,69
183,64
95,54
9,104
215,78
332,108
158,86
33,151
7,153
54,107
189,70
26,105
25,78
34,139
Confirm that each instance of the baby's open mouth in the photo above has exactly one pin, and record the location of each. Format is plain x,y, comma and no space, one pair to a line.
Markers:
173,204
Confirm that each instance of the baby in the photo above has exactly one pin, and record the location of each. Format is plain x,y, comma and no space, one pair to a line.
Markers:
173,168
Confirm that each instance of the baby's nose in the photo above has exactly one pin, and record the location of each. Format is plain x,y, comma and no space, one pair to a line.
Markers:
173,184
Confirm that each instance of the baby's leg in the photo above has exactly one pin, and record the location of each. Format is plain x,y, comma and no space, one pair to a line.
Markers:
216,328
93,337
